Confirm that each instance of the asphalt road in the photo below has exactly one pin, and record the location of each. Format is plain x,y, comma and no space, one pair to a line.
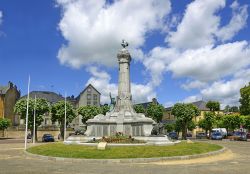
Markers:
13,160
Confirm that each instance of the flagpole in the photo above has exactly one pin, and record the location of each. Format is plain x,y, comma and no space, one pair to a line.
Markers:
34,124
65,110
27,116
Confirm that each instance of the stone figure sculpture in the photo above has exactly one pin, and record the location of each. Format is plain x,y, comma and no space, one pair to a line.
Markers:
112,102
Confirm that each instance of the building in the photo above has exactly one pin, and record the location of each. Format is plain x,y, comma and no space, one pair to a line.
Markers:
8,98
52,98
90,96
146,104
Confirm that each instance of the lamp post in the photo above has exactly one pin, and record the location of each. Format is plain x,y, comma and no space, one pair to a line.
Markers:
34,124
27,115
65,114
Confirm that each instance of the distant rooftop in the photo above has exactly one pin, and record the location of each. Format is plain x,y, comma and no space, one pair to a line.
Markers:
201,105
51,97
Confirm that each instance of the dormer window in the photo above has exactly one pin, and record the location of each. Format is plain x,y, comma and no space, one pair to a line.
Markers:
89,89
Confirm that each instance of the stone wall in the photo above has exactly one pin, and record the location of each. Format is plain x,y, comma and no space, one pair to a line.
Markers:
1,106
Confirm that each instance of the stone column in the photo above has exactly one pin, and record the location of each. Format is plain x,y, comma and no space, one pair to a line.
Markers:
124,99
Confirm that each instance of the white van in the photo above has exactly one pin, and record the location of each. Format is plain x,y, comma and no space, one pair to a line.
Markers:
223,131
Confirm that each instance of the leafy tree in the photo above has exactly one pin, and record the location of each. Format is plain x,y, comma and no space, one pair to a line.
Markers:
105,109
191,125
4,124
155,111
58,114
213,105
139,109
208,122
231,122
245,100
234,109
88,112
42,107
170,127
184,114
227,108
247,122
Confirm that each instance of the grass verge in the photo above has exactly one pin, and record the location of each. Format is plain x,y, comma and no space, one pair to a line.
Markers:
89,152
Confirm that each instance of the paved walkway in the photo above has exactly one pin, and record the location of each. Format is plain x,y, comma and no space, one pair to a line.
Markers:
13,160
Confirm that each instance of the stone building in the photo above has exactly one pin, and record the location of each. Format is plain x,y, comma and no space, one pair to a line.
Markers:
90,96
8,98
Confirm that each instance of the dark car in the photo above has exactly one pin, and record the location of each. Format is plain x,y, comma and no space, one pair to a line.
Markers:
189,135
79,132
29,136
248,135
216,136
240,136
173,135
48,138
201,135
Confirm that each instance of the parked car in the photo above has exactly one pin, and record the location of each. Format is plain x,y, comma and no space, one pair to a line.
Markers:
223,131
189,135
248,135
216,136
173,135
48,138
201,135
240,136
29,136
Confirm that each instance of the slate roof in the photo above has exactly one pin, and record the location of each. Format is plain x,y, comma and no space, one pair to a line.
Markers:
51,97
201,105
146,104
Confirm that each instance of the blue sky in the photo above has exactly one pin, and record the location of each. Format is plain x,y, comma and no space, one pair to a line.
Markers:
182,51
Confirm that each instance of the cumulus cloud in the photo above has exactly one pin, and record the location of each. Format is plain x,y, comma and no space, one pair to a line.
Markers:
211,63
101,81
198,25
94,29
192,98
237,22
1,17
228,91
196,84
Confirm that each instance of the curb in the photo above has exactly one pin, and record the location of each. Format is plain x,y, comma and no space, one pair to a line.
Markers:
128,160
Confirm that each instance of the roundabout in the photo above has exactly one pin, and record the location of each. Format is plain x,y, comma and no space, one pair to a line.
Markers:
146,153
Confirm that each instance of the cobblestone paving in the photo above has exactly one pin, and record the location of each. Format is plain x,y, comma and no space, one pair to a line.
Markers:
13,160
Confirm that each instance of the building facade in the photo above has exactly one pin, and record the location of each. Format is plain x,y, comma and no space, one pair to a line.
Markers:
90,96
8,97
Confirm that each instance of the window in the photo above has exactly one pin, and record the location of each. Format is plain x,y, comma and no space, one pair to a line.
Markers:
95,103
89,89
88,102
95,96
88,96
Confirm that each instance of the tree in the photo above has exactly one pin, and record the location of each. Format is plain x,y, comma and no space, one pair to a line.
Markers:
245,100
231,122
4,124
155,111
184,114
247,122
42,107
139,109
234,109
88,112
105,109
213,105
169,127
58,114
208,122
191,125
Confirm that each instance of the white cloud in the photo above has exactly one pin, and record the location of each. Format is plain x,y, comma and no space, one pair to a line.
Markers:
209,63
198,25
192,98
101,81
193,85
94,29
237,22
1,17
227,92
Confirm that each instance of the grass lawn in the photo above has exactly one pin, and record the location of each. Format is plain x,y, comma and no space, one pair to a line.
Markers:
89,152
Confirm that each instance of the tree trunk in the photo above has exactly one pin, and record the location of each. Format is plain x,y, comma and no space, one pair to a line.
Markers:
210,131
62,131
36,135
184,132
